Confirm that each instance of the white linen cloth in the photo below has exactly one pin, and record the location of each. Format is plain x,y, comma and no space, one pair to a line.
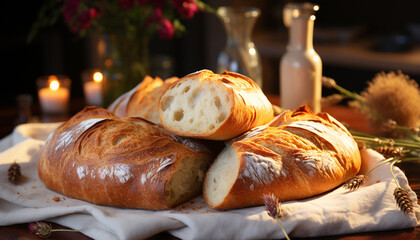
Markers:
371,208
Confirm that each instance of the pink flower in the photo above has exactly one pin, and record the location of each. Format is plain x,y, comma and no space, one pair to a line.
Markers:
186,8
83,20
86,18
189,9
167,29
40,229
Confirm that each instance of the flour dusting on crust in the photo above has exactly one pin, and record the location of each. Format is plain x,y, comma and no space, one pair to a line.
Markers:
162,162
66,137
261,170
119,171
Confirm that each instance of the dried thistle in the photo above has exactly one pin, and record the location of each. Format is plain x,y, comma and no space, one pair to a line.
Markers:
13,173
41,229
274,210
404,201
393,96
273,206
355,182
45,230
390,151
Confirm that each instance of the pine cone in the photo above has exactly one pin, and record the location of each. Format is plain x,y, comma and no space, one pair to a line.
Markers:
404,200
14,173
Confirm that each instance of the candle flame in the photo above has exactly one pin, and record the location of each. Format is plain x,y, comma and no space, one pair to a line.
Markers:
97,77
54,85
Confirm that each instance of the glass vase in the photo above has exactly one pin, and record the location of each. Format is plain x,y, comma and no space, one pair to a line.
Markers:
240,54
126,64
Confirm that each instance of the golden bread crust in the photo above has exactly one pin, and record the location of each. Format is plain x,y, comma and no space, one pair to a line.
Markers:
297,155
249,106
142,100
100,158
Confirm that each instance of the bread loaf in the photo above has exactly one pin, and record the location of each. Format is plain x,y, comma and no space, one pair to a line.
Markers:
213,106
142,100
295,156
131,163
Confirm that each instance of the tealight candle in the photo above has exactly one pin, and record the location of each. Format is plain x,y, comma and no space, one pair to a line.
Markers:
54,94
92,86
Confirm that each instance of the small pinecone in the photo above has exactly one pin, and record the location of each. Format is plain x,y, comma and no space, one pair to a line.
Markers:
14,173
390,152
404,200
354,183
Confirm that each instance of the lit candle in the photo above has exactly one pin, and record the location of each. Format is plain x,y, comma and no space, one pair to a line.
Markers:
54,98
93,89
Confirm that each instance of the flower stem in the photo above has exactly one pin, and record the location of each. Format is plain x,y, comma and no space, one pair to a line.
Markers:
379,164
392,172
282,228
347,92
404,130
364,137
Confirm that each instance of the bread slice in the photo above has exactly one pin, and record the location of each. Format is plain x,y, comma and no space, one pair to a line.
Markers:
131,162
297,155
213,106
142,100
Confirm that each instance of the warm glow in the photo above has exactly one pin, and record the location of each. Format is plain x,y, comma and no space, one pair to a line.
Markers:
316,7
97,77
54,85
295,13
252,51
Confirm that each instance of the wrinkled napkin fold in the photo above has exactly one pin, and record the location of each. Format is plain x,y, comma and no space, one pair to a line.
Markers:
371,208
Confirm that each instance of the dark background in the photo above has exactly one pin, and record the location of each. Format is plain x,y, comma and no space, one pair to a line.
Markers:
56,51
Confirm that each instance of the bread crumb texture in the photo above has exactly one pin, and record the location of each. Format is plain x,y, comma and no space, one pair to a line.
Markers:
197,105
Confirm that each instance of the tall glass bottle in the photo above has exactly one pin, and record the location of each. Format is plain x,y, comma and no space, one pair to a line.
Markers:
300,66
240,54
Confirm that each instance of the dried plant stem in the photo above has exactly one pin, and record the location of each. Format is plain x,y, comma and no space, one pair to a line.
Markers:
392,172
379,164
357,97
393,162
282,228
367,138
408,133
362,103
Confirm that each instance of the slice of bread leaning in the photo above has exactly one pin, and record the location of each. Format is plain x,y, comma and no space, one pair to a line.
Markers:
297,155
213,106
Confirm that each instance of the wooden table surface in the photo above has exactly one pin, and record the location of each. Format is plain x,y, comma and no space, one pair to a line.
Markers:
344,114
